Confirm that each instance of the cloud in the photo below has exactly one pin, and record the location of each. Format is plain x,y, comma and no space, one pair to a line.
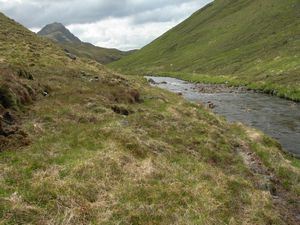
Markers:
123,24
120,33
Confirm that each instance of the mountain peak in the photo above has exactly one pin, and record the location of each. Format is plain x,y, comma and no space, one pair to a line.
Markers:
58,32
56,25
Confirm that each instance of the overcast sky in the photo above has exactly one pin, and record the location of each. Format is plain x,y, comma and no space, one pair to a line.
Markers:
122,24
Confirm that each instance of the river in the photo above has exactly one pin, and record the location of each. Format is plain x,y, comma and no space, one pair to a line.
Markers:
279,118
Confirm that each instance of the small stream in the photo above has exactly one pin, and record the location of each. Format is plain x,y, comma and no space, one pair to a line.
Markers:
277,117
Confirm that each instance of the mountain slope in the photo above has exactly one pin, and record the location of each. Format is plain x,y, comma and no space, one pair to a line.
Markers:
252,41
100,148
101,55
59,33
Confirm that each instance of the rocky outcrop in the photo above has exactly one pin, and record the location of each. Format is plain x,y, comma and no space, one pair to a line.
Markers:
71,56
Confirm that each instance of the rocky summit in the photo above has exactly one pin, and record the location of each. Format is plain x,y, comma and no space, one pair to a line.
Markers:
58,32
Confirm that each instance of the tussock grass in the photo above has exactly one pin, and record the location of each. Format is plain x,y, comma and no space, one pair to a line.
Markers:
169,162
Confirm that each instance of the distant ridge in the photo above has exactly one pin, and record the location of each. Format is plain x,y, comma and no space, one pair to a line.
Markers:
59,33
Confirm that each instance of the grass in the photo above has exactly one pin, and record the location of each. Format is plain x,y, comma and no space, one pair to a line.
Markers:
253,42
166,162
89,167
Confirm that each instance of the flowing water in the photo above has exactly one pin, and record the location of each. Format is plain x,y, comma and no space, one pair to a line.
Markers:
277,117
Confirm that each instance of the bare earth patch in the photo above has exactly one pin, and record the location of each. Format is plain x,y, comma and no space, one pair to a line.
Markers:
286,203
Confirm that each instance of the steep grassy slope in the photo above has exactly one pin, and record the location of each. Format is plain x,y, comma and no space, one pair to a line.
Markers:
252,41
105,149
59,33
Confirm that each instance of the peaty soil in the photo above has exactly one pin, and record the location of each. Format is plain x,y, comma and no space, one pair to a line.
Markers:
17,89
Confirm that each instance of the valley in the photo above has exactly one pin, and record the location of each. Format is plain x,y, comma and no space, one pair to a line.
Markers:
245,42
86,143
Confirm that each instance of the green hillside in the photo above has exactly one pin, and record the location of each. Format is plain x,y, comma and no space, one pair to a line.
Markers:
254,42
80,144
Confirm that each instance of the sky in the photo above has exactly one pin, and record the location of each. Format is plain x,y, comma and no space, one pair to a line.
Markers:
122,24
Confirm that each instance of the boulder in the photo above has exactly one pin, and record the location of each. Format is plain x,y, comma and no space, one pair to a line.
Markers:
211,105
151,81
71,56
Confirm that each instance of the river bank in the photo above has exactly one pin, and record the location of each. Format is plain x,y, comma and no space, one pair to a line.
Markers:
289,92
277,117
